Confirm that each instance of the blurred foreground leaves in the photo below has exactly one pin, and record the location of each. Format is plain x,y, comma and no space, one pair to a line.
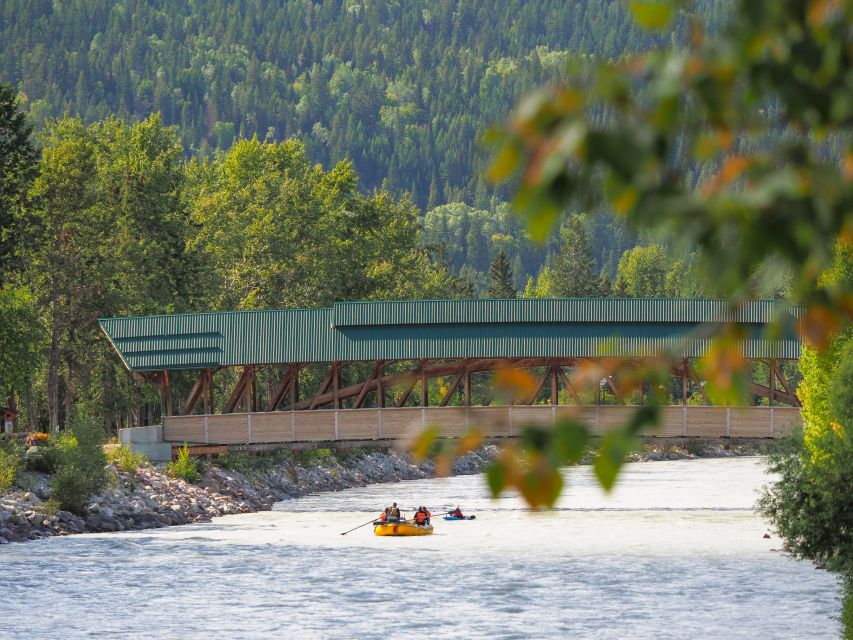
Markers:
766,106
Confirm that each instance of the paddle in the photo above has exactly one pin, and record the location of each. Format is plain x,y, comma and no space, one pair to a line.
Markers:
371,521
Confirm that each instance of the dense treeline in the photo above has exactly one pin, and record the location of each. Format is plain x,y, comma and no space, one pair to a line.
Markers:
112,220
402,88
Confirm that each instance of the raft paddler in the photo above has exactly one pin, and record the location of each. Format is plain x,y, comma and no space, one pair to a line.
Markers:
394,513
421,517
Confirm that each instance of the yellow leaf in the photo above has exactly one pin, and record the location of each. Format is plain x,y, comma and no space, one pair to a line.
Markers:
505,163
469,442
626,201
652,15
423,444
515,383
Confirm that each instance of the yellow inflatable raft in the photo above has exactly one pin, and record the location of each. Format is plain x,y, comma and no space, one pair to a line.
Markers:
402,529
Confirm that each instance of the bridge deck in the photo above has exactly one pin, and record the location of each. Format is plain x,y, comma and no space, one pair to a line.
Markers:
404,423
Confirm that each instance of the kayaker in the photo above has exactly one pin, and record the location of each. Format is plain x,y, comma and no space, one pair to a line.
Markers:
457,512
394,513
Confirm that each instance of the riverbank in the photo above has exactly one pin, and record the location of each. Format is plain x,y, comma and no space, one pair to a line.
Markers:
149,498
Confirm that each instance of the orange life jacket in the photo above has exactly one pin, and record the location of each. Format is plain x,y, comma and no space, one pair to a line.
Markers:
420,516
383,517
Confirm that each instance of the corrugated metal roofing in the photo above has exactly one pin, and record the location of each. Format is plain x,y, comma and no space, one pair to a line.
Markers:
533,310
439,329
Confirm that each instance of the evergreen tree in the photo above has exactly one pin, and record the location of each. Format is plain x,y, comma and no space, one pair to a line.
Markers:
500,275
18,161
574,265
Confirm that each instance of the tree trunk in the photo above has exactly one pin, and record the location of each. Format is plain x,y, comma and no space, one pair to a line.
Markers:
53,380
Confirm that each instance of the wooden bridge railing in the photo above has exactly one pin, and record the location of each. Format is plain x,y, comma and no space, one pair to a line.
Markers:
493,422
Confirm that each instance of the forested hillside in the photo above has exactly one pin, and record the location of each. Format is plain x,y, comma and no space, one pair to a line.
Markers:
403,88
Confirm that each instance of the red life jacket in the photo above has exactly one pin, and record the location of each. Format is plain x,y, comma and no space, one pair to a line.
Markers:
383,517
421,517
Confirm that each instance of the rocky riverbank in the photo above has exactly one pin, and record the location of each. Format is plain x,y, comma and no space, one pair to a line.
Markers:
148,498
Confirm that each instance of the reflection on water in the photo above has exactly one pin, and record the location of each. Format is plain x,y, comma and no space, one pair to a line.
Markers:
674,552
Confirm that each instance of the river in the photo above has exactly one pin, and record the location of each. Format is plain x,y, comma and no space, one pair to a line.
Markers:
674,552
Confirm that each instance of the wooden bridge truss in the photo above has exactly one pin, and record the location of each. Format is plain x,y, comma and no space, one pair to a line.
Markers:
394,383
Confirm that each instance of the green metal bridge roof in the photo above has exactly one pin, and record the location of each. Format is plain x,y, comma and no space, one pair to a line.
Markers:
444,329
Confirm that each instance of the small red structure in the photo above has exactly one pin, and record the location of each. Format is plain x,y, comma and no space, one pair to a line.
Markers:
7,419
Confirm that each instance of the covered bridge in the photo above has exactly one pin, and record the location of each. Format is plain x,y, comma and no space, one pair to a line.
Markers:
379,355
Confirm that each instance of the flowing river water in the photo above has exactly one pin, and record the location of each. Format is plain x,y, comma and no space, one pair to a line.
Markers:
674,552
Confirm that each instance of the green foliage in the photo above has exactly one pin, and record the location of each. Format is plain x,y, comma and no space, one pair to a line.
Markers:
402,89
44,458
245,462
811,505
304,237
320,457
184,467
778,189
21,339
80,469
574,272
11,463
18,160
500,276
123,458
841,387
643,273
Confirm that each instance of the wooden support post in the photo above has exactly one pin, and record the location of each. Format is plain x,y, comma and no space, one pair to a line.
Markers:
211,392
424,385
324,387
167,393
772,385
539,387
467,385
613,388
239,390
449,393
684,382
568,385
407,391
253,396
380,394
370,384
336,385
781,378
196,392
278,393
555,385
294,386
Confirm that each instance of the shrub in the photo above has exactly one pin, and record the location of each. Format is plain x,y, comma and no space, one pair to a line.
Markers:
124,458
44,458
80,466
247,463
315,457
694,448
184,467
10,464
49,507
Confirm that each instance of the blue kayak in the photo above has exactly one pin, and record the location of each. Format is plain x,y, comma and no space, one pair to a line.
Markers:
455,518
